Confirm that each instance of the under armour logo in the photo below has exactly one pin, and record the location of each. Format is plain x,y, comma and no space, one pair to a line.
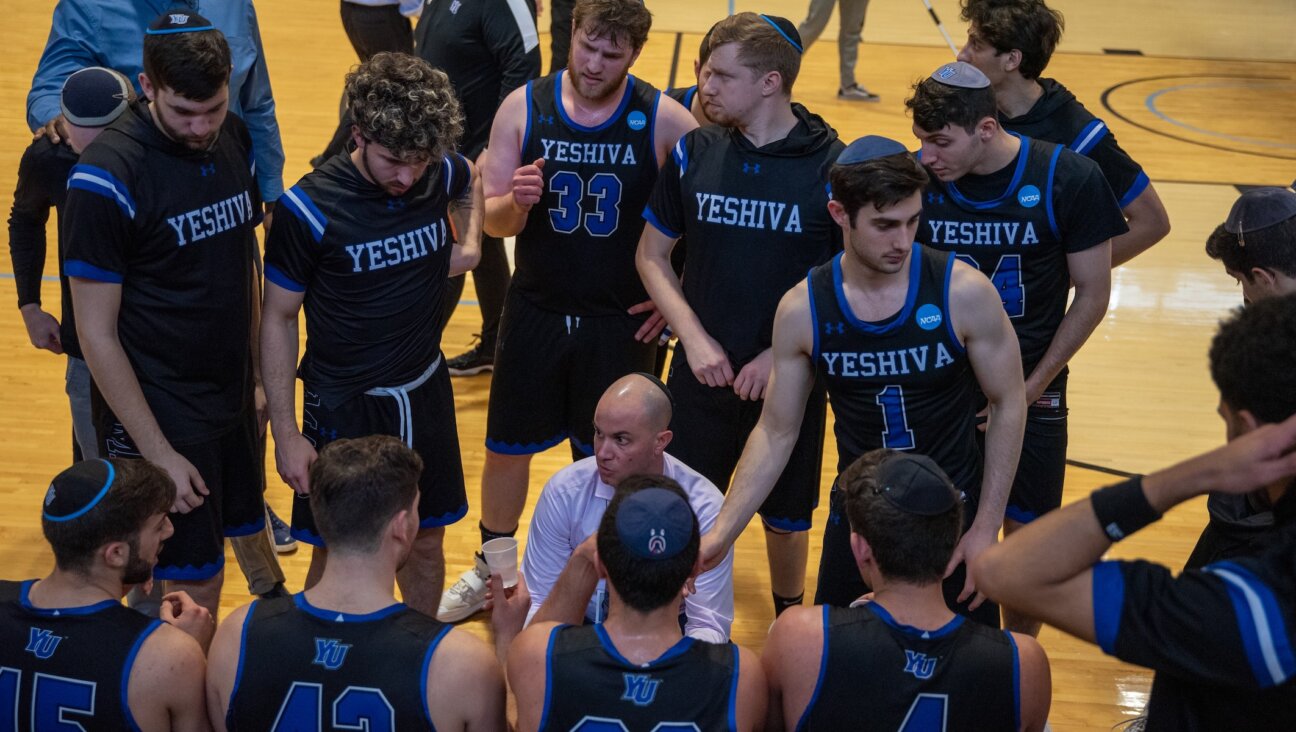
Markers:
330,653
179,19
919,664
395,204
207,169
656,541
834,328
329,435
640,689
935,198
752,169
454,7
41,643
545,120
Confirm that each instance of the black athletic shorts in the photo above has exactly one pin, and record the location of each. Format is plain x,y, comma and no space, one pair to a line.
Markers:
231,467
840,582
1041,471
711,426
422,414
550,371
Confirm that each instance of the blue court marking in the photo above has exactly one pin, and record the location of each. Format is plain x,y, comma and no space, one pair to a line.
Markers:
1152,98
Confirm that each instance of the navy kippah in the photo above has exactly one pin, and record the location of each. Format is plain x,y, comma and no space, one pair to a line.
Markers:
916,484
654,523
869,147
1261,208
961,74
78,489
95,96
785,29
178,21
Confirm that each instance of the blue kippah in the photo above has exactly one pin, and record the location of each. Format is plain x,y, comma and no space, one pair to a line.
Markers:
178,21
1260,208
961,74
95,96
915,484
785,29
655,523
869,147
78,489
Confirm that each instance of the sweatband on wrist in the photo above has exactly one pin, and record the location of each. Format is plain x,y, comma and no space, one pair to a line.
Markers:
1123,508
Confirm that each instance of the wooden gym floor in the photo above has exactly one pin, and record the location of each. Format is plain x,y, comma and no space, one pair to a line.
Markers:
1207,106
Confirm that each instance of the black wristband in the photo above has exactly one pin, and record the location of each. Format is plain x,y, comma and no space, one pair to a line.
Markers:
1123,508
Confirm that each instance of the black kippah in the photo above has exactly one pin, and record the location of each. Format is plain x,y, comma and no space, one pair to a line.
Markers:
660,385
178,21
785,29
78,489
915,484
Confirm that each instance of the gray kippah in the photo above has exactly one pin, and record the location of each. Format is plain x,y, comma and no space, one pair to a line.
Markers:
95,96
961,74
1261,208
869,147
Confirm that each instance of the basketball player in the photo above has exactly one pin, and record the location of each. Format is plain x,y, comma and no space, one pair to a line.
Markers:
161,216
367,242
923,663
573,158
903,336
1035,218
1011,42
1220,638
345,654
71,656
635,670
754,237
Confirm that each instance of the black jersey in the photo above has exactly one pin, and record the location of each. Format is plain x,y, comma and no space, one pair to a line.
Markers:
879,674
1018,225
67,668
684,95
591,687
374,269
752,237
576,253
175,228
1058,117
904,383
298,661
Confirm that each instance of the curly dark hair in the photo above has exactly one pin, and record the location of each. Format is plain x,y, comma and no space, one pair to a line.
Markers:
1252,358
400,102
1029,26
881,182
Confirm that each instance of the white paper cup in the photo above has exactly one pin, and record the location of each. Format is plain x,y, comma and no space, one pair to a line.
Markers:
502,557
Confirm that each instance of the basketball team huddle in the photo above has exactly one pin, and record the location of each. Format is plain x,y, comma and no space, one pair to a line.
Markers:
933,297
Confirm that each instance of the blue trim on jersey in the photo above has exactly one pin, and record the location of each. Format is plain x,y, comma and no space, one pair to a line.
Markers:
949,320
621,108
526,131
25,601
97,180
787,524
1048,192
652,130
549,675
126,669
93,501
651,218
1089,137
1108,602
1016,677
334,616
1022,155
1260,622
238,671
445,519
733,691
900,318
423,675
1136,189
940,632
680,153
517,448
688,97
276,275
814,318
306,536
819,682
296,201
681,646
585,448
87,271
189,571
245,529
1019,514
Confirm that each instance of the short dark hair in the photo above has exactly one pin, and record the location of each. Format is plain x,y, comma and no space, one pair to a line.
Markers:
642,584
880,182
1272,248
704,48
623,21
1029,26
400,102
762,48
139,491
194,65
935,105
907,547
1253,358
358,485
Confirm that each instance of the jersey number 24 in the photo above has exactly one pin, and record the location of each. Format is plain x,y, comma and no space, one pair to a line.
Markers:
594,204
1007,280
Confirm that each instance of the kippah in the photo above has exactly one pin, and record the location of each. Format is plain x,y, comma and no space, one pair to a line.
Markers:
1260,208
785,29
178,22
869,147
78,489
654,523
915,484
95,96
961,74
660,385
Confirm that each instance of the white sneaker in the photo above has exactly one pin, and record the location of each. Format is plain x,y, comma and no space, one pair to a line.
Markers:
466,596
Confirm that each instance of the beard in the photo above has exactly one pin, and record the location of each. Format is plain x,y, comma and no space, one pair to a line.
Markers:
599,92
138,570
189,141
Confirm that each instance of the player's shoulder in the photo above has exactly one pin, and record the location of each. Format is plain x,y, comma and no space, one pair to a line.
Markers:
647,88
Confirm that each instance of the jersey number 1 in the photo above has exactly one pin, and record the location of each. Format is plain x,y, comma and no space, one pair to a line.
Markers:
1008,281
604,192
896,434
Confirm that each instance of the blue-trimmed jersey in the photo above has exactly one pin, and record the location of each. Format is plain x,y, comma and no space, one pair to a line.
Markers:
373,268
1058,117
302,667
67,668
591,687
175,228
1220,638
1018,225
683,94
905,382
876,673
576,253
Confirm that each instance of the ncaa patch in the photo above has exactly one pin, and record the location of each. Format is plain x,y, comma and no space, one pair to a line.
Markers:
929,317
637,120
1028,196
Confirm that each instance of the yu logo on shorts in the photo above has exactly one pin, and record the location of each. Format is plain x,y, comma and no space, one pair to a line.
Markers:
330,653
41,643
640,689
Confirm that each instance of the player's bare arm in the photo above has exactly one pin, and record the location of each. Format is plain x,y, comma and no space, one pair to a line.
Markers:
254,338
467,213
1148,224
982,325
222,666
1091,276
527,673
1035,683
465,686
165,691
791,660
753,693
511,185
279,343
771,442
97,305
